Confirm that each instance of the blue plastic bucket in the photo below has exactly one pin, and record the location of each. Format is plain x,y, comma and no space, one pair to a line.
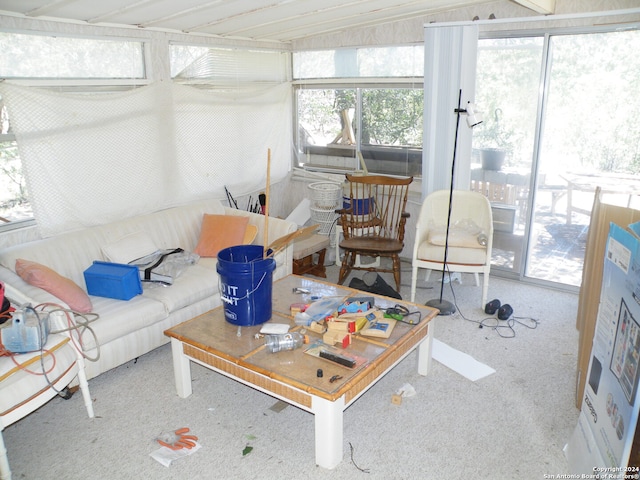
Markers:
246,280
361,206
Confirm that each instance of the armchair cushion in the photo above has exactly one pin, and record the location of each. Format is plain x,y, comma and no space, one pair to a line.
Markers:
461,255
458,237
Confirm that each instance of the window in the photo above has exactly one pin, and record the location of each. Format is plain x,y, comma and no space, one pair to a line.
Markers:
228,67
43,56
391,139
77,64
360,108
384,124
381,62
14,201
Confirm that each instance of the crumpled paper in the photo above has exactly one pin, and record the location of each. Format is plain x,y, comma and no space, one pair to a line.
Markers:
406,390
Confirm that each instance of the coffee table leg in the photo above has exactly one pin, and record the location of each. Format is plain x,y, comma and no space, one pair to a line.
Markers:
181,369
329,431
424,354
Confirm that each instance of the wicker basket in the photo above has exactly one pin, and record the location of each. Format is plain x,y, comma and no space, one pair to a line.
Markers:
325,218
325,195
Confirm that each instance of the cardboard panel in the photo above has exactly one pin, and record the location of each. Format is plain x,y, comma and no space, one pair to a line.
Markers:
601,216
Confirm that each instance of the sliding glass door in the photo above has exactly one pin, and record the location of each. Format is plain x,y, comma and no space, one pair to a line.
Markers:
507,85
561,119
590,137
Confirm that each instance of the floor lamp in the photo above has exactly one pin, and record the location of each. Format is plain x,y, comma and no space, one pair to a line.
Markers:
473,118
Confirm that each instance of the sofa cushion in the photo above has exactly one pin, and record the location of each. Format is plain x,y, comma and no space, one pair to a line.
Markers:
119,318
130,247
219,232
195,283
69,255
61,287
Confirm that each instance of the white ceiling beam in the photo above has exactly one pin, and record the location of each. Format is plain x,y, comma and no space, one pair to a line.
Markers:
106,16
181,13
545,7
45,9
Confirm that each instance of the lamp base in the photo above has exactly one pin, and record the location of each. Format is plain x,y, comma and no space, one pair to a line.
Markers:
445,307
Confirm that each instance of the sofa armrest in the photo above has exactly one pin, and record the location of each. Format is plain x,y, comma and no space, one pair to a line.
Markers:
20,292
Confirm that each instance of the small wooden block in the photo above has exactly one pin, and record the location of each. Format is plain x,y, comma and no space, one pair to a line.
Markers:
396,399
331,337
335,336
316,327
346,327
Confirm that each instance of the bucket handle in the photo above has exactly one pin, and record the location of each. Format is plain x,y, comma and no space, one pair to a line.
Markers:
225,300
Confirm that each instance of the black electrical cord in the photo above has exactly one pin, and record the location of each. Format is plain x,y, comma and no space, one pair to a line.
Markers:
400,313
363,470
499,326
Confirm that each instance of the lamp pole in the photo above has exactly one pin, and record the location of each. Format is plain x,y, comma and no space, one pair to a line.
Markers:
444,306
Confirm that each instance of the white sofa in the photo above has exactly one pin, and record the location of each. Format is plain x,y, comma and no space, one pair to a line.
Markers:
128,329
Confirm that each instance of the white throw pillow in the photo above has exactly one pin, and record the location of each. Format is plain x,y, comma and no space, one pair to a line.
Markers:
462,233
128,248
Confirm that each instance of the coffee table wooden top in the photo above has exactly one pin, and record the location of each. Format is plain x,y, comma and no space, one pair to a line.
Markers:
211,333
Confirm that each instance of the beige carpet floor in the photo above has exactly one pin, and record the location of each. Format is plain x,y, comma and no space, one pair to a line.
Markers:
511,424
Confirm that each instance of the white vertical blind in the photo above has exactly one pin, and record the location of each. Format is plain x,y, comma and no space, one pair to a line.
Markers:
450,66
224,67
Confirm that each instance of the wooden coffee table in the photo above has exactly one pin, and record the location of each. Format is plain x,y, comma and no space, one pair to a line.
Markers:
291,376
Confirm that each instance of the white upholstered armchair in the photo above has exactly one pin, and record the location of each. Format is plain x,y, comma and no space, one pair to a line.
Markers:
470,236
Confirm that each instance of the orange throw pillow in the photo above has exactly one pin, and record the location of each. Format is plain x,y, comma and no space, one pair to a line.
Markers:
219,232
61,287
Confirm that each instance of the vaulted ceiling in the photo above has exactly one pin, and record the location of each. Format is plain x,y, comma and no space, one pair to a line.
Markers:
267,20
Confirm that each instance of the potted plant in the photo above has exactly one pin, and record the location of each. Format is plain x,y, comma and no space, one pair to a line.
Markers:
494,142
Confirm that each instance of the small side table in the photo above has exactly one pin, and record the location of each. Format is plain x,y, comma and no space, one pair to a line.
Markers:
304,251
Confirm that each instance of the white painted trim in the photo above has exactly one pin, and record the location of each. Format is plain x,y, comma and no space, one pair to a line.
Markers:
537,18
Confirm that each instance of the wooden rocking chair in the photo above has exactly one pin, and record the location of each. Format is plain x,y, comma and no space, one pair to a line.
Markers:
373,224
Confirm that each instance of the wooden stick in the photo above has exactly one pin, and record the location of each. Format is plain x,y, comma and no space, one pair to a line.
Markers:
280,243
266,205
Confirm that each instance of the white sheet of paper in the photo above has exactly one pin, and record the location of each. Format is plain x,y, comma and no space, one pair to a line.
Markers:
165,455
274,328
460,362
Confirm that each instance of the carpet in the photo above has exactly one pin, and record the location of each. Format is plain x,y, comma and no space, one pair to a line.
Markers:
510,424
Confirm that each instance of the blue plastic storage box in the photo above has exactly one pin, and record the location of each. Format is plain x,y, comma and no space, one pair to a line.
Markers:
113,280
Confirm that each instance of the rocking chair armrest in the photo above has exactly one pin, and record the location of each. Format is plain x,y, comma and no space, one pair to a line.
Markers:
341,211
